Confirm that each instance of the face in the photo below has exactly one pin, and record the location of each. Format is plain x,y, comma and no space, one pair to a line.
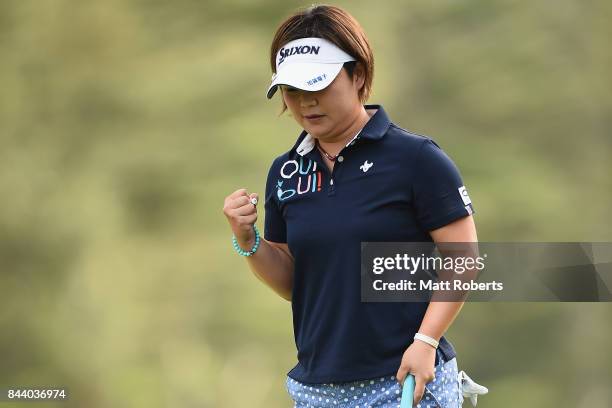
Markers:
338,105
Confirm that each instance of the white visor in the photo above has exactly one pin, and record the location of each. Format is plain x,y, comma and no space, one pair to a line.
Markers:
310,64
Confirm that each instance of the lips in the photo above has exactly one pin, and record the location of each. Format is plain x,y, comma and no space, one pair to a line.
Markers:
313,116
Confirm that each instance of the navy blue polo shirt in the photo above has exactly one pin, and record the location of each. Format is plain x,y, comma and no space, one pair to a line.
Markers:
387,185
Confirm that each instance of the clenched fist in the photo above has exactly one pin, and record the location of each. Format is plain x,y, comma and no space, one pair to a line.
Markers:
240,208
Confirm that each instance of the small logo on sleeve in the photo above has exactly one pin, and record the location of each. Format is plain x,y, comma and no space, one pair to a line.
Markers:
464,195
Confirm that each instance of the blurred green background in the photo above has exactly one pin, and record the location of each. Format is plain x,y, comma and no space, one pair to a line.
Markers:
124,124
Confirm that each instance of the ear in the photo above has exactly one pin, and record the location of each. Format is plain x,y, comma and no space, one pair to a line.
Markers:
359,76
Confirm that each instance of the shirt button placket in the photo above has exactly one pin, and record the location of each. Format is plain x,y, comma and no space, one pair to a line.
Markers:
332,189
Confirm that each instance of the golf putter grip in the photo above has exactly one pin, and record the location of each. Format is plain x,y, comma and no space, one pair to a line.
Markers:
408,392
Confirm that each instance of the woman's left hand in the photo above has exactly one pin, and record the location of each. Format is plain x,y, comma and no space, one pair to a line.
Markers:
419,360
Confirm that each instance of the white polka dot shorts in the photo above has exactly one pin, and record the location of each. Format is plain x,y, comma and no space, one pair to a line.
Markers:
383,392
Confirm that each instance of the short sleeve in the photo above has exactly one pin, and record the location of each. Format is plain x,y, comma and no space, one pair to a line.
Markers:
275,229
439,195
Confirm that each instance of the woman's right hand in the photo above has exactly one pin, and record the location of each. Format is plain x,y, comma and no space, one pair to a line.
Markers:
241,214
274,262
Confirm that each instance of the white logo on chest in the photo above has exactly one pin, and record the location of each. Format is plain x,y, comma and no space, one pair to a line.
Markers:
366,166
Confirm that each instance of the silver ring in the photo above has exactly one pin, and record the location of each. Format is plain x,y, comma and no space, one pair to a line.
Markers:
253,200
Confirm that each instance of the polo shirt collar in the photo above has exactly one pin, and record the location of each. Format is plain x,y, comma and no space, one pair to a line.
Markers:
374,129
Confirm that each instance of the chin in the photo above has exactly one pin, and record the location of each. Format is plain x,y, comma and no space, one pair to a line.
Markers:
313,133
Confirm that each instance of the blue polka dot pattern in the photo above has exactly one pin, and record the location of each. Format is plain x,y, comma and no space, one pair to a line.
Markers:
384,392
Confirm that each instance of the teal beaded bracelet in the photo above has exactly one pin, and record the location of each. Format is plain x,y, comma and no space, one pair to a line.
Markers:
242,251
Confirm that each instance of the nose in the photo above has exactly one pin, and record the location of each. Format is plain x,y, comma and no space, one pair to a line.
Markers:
307,99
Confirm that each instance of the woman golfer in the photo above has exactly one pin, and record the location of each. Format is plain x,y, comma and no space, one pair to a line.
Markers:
352,176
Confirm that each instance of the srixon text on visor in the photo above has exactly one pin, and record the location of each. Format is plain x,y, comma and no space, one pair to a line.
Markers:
302,49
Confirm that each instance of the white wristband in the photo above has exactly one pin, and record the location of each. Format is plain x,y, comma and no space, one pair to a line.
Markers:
432,342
